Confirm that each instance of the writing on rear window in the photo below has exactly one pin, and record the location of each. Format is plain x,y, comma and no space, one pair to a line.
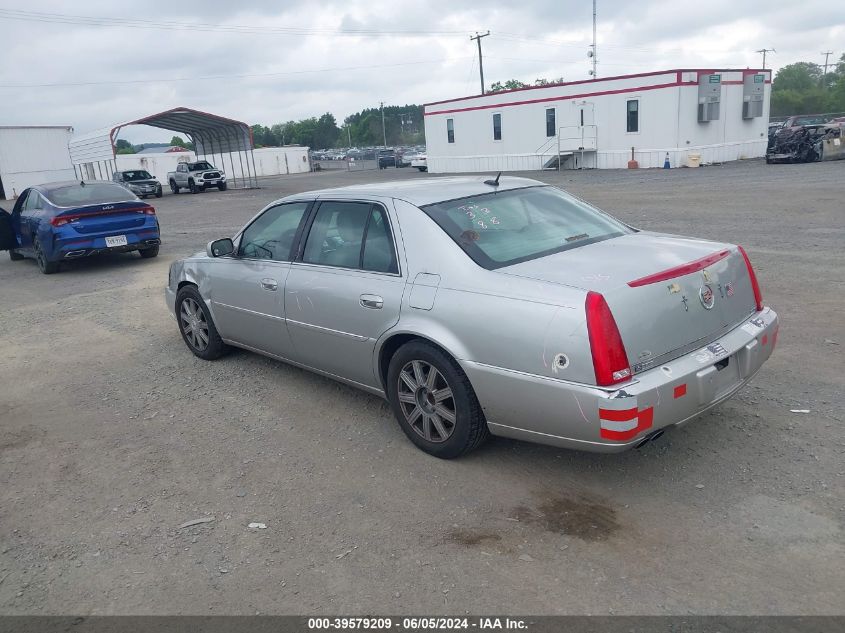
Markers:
503,228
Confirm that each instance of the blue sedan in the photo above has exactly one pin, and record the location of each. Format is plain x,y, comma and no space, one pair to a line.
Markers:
67,220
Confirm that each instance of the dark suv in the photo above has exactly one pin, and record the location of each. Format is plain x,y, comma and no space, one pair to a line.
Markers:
139,181
386,158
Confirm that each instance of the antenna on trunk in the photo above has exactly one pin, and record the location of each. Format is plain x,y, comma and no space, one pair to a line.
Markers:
494,182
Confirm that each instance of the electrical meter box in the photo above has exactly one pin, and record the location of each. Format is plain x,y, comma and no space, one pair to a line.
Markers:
753,87
709,97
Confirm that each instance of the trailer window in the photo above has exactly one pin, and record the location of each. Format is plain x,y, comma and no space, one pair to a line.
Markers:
450,130
550,122
497,127
634,115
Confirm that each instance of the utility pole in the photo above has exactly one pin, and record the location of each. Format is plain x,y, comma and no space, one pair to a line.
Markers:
764,51
383,129
349,134
477,38
827,55
593,46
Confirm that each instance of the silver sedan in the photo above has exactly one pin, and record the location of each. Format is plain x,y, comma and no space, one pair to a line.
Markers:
476,306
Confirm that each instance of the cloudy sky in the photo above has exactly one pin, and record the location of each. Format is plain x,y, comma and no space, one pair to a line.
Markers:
92,63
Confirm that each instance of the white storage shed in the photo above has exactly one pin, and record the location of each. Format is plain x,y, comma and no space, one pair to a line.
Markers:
33,155
690,114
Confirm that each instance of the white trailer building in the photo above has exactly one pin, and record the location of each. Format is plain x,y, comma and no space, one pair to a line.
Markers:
715,115
32,155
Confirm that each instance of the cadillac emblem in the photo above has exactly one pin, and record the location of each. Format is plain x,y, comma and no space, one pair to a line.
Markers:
707,297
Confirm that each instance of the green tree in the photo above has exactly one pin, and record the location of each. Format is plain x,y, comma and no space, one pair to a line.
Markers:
177,141
123,146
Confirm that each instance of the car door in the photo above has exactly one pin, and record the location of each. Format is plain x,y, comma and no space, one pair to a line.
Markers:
8,240
25,218
345,289
247,288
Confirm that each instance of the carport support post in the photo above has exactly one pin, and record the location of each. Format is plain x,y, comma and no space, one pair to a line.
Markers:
241,161
254,171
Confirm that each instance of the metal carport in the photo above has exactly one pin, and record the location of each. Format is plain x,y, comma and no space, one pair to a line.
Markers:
93,154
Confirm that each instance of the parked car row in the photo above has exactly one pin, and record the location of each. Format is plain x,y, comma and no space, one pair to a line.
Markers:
385,157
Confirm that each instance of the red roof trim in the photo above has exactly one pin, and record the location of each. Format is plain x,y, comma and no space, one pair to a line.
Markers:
593,81
559,98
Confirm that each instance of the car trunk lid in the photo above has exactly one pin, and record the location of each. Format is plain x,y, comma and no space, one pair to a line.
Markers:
669,295
99,218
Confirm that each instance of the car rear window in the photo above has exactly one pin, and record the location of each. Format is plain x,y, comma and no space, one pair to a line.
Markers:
508,227
91,193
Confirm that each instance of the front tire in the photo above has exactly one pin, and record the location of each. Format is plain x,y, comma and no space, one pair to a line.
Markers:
159,193
423,168
44,265
223,186
196,325
193,187
434,402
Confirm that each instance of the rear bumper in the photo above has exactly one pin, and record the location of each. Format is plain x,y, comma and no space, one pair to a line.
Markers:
73,252
549,411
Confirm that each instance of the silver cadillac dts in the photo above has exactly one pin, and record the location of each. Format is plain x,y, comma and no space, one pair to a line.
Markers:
479,306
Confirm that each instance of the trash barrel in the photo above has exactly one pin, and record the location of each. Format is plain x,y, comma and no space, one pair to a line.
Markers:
693,160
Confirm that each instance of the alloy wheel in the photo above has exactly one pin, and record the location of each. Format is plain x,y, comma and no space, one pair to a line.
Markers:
194,324
427,402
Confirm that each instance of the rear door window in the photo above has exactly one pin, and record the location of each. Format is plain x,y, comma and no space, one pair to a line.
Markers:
352,235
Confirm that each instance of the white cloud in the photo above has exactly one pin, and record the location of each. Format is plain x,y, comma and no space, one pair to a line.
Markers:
544,38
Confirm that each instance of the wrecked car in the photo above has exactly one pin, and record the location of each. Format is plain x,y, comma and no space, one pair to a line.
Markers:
806,144
484,306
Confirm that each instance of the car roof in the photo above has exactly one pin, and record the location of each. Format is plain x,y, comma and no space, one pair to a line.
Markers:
51,186
423,192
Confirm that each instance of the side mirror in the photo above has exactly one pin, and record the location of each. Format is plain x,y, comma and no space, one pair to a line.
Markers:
220,248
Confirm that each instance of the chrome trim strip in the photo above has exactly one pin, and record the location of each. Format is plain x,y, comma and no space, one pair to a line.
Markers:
261,314
319,328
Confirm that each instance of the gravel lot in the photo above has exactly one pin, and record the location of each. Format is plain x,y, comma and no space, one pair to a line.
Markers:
112,435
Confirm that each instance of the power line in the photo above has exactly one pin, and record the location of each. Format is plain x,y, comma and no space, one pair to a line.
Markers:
242,76
84,20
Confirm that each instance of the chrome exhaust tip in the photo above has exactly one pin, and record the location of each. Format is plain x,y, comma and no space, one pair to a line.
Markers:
74,254
650,438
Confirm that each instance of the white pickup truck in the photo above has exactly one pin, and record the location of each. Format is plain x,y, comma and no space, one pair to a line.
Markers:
196,177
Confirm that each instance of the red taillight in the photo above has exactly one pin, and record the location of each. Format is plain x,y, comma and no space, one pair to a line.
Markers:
61,221
150,210
758,296
610,360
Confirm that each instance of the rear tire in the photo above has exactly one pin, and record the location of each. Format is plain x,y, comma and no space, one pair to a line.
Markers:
15,256
46,267
424,403
174,187
149,253
196,325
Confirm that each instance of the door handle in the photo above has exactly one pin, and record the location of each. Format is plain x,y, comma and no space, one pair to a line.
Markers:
269,284
372,301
